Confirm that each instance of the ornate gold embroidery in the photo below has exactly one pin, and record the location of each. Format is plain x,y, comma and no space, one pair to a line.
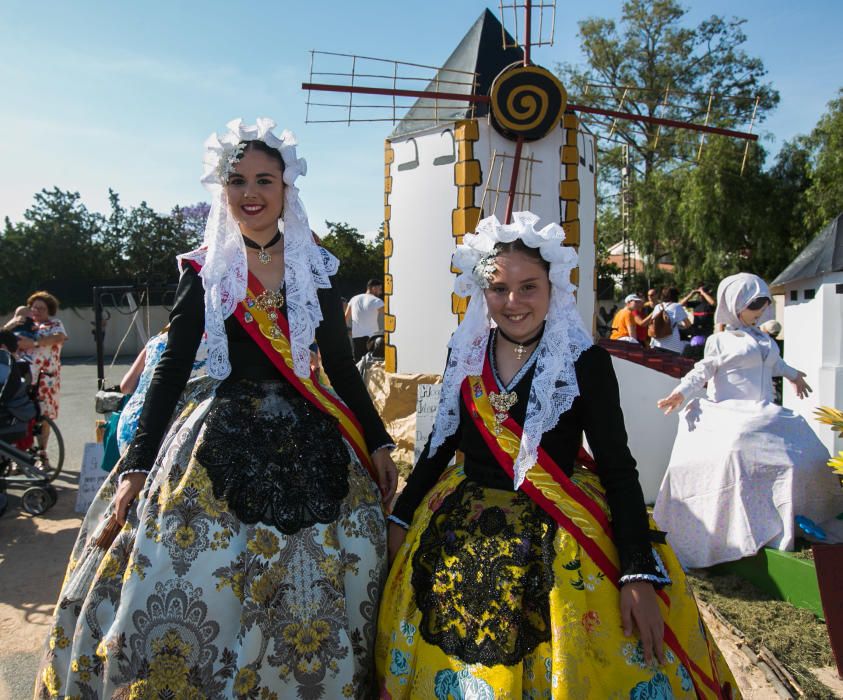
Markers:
502,403
268,300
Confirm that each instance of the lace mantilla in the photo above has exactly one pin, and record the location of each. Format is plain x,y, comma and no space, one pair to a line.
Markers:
308,267
554,386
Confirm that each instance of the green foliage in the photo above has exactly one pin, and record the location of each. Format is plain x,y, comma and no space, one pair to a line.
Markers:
694,207
61,246
824,197
360,260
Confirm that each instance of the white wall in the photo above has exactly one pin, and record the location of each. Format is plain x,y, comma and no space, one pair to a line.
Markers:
79,324
421,202
814,344
651,433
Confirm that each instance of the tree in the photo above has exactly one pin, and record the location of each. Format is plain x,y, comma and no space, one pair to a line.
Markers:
54,245
359,260
824,195
655,66
654,55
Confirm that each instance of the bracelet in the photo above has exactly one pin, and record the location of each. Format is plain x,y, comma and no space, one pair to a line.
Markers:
397,521
388,446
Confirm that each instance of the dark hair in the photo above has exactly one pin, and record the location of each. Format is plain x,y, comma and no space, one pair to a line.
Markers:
518,246
670,294
258,145
10,340
374,283
51,302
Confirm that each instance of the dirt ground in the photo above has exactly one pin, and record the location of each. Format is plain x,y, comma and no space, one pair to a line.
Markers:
34,551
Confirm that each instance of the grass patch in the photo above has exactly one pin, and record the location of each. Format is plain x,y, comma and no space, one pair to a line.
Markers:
797,638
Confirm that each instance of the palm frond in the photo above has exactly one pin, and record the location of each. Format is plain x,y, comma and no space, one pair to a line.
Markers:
830,416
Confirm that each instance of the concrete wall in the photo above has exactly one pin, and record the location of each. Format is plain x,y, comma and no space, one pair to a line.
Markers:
79,323
814,344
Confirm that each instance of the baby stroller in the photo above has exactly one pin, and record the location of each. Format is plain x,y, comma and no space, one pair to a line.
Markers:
22,464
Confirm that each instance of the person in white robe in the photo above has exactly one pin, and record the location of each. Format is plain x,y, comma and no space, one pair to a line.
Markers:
742,468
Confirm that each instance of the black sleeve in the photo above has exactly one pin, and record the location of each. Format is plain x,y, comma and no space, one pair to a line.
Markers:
332,338
604,427
187,323
424,476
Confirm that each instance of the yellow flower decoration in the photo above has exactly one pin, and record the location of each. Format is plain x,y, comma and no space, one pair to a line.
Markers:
51,680
185,536
245,680
264,543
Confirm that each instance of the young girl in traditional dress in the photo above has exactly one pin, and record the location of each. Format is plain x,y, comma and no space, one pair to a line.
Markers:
518,574
253,563
742,467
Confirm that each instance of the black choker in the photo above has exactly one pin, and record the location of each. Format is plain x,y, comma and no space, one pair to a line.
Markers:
263,257
521,348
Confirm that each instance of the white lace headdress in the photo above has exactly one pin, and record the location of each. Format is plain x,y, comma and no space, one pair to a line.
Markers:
307,266
554,386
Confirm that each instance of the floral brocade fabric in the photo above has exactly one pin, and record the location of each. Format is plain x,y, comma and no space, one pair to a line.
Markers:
274,457
482,575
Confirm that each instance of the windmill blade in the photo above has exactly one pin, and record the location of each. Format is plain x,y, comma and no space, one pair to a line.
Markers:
374,87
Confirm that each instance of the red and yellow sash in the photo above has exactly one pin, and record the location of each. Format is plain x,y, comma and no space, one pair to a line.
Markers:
566,502
273,337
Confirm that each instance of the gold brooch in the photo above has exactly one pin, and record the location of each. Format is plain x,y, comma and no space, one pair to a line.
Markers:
501,403
267,300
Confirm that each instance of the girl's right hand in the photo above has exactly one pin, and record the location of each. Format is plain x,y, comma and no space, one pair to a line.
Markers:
671,403
128,490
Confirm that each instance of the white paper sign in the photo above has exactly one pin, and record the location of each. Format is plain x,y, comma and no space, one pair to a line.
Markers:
427,401
91,476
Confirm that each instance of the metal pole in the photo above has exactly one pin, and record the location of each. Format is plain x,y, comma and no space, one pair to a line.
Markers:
513,181
98,338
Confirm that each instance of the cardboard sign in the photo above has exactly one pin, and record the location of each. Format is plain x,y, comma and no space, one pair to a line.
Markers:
427,402
91,476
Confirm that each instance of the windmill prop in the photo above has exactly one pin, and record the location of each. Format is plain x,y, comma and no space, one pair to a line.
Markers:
488,132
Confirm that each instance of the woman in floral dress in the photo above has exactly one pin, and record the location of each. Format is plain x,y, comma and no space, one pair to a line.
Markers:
44,352
253,563
518,573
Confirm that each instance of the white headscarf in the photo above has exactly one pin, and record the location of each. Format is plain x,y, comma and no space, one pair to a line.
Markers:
224,273
735,293
554,386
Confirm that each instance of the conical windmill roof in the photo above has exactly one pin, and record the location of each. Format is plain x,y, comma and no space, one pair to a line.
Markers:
480,51
823,254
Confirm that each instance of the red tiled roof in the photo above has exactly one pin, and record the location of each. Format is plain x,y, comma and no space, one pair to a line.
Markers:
665,362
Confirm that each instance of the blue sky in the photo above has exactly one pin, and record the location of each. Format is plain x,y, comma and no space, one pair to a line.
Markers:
122,94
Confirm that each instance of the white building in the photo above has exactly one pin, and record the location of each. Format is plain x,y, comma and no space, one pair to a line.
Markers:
447,166
812,286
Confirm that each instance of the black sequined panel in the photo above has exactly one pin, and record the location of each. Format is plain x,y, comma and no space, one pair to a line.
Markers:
273,456
482,575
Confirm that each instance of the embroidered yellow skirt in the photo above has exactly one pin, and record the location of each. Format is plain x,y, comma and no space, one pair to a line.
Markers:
489,598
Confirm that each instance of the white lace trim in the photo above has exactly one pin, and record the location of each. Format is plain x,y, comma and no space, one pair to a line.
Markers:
554,386
307,266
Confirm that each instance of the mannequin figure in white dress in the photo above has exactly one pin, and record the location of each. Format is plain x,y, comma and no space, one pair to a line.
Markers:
742,467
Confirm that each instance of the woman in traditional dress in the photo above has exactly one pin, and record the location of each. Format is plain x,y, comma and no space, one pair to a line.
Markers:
742,467
252,566
518,574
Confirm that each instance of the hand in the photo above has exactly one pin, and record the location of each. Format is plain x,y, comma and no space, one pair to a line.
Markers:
800,386
670,403
128,490
395,536
640,607
25,344
387,473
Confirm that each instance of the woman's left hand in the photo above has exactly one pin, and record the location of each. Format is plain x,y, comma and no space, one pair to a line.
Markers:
640,610
25,344
800,386
387,473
